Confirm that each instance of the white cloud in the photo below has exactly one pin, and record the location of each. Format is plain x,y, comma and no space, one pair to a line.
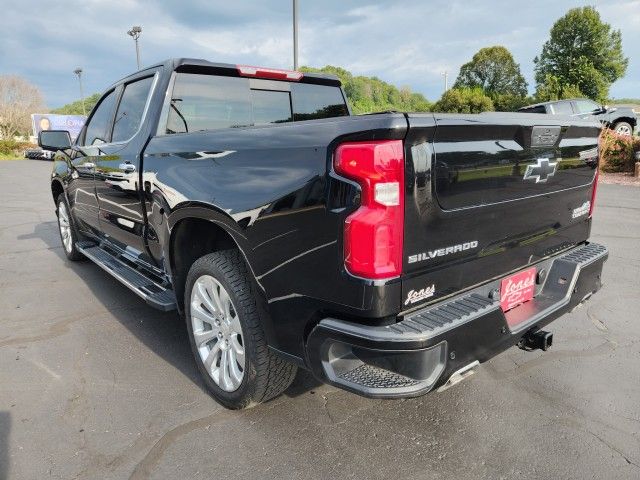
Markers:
409,42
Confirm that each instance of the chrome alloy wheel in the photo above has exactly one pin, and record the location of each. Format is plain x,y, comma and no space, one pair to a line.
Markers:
65,227
217,333
623,129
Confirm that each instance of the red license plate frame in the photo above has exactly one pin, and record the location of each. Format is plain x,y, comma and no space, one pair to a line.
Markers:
517,289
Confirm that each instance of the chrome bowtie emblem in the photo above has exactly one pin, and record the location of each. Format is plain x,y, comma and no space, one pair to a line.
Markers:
541,171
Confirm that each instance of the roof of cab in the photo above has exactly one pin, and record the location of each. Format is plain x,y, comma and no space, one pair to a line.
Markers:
196,65
551,102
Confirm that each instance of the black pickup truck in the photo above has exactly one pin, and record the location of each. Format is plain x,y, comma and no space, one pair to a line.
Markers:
389,254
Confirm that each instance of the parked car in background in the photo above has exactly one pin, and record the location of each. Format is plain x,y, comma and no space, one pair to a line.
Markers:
622,120
38,154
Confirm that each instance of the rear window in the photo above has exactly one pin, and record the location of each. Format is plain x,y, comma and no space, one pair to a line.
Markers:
311,102
270,106
538,109
208,102
205,102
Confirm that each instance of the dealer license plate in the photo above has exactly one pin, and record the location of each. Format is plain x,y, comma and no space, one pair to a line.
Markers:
517,289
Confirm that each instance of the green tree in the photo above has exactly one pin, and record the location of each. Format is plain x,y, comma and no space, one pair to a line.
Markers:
582,52
495,71
75,108
508,102
370,94
553,89
464,100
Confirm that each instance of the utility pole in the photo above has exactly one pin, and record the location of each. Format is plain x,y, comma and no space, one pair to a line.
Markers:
446,80
295,34
135,33
78,72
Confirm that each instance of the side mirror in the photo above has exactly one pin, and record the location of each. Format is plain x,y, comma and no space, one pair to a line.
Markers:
54,140
604,108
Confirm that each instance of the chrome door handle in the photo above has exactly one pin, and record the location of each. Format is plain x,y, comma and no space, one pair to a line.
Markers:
127,167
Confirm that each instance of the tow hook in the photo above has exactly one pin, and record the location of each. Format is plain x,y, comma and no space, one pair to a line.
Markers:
538,339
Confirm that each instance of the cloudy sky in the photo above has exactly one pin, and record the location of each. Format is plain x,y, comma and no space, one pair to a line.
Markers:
406,42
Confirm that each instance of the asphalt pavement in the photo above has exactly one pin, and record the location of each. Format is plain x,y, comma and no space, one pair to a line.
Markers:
96,384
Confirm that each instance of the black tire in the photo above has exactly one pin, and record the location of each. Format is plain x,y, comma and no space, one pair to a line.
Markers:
70,250
265,374
622,128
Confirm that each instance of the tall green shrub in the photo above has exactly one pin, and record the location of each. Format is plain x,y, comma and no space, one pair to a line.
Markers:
464,100
617,152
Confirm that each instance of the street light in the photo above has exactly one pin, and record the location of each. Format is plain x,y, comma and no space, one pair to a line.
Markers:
78,72
445,74
135,34
295,34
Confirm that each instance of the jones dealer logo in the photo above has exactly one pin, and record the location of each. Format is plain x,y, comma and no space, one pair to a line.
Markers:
581,210
417,295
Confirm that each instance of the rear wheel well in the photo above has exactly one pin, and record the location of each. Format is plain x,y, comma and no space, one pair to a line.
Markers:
630,121
56,190
191,239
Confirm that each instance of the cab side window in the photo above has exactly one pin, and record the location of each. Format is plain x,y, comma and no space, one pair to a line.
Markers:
562,108
131,109
586,106
99,125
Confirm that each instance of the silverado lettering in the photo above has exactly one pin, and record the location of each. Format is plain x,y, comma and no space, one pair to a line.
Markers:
441,252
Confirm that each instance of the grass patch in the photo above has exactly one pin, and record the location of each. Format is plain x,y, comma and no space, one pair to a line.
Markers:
13,149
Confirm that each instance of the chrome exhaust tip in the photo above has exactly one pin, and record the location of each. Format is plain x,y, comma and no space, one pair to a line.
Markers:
459,375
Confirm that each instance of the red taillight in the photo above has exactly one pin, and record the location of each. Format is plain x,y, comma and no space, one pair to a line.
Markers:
373,234
593,192
271,73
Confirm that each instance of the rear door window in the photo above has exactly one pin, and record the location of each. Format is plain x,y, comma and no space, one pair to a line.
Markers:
131,109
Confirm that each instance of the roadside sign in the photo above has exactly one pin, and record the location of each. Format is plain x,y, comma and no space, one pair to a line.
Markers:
49,121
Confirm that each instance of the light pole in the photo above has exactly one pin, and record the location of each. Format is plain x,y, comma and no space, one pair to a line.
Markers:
295,34
135,34
78,72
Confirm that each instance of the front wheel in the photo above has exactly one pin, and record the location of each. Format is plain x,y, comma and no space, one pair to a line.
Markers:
67,229
623,128
226,335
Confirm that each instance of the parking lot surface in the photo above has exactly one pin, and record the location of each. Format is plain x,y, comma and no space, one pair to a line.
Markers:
96,384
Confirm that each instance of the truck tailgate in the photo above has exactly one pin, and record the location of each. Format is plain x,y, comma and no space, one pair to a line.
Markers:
490,194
